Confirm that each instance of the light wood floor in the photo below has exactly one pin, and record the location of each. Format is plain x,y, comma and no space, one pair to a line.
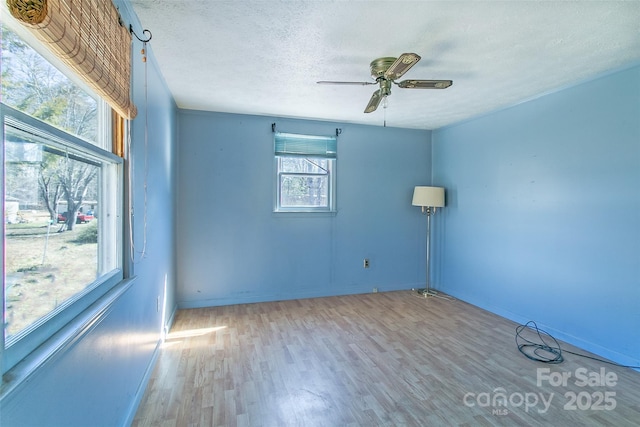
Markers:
385,359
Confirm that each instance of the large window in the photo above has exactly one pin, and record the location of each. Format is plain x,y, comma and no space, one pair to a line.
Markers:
305,173
62,195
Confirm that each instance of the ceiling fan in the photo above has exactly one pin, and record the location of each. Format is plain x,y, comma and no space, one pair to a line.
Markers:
385,71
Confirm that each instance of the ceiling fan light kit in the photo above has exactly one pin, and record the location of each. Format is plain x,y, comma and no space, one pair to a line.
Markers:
386,71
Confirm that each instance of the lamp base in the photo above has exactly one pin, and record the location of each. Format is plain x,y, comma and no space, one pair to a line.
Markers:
428,293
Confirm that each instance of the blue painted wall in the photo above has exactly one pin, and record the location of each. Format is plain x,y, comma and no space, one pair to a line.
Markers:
543,214
542,222
99,380
232,248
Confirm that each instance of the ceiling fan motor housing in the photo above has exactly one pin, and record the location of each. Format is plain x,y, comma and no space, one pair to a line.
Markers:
380,66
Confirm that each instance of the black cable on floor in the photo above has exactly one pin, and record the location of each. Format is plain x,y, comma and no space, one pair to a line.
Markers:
538,351
547,349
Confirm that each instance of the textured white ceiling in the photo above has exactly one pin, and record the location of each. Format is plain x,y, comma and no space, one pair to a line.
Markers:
264,57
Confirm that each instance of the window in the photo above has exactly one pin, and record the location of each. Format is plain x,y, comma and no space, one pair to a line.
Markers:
62,200
305,173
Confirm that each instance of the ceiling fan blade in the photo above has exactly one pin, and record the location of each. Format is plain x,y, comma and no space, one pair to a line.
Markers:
373,102
325,82
401,65
425,84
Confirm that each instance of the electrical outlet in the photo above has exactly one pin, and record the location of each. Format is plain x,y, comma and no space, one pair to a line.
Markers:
375,290
365,264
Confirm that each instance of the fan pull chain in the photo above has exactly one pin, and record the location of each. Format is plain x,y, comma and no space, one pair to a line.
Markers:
384,107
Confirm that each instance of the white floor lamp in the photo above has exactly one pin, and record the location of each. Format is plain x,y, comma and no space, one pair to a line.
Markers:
429,198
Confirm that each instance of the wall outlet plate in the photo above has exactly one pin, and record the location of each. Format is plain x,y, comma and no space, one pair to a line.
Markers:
375,290
365,263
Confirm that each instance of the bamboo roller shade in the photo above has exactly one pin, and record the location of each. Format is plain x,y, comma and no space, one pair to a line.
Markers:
88,37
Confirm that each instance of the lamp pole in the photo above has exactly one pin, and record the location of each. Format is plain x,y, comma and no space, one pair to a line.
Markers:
428,211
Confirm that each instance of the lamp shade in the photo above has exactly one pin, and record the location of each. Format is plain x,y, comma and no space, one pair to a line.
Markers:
428,196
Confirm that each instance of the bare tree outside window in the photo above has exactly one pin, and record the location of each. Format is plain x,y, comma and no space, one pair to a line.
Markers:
304,182
32,85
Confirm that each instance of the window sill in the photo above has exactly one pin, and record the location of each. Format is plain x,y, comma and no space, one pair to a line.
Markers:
63,339
304,214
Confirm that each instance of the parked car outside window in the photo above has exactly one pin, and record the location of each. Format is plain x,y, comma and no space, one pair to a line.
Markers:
81,218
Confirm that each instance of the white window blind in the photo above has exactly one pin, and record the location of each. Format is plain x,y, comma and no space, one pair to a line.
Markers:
289,144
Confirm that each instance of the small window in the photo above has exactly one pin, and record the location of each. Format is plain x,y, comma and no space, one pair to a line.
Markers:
305,173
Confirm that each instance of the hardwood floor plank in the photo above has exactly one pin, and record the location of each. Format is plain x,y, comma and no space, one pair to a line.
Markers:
385,359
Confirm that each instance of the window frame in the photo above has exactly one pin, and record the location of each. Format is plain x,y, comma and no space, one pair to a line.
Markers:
25,342
309,147
330,174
